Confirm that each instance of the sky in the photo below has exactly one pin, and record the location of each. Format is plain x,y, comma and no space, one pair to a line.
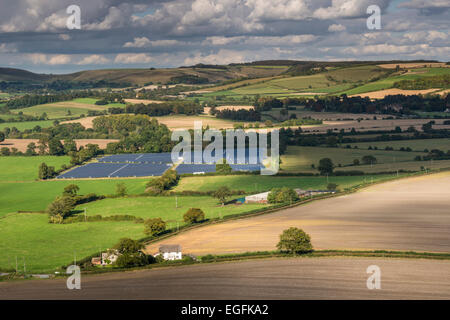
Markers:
34,34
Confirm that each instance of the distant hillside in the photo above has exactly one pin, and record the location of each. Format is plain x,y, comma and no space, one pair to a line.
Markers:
197,74
11,74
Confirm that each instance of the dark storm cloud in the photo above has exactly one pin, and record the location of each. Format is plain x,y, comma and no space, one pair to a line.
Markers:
33,33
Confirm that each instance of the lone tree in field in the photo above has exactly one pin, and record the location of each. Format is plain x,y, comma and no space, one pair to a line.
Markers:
222,194
60,208
369,159
194,215
71,190
294,240
325,166
2,137
121,189
282,195
45,172
154,226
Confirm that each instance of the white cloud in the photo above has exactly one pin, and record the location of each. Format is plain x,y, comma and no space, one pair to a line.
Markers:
424,4
223,56
93,59
144,42
59,59
132,58
138,43
336,28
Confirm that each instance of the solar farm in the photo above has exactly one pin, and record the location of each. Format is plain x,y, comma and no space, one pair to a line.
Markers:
155,164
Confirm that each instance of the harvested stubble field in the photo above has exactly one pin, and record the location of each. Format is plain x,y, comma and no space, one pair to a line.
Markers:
21,144
407,214
390,92
415,145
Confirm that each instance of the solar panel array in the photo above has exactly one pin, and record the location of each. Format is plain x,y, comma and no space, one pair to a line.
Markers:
155,164
115,170
210,168
237,156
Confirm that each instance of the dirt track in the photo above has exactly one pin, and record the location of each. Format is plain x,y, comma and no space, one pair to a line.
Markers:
407,214
299,278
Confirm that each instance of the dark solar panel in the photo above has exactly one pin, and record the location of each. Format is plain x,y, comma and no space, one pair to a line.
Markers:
248,156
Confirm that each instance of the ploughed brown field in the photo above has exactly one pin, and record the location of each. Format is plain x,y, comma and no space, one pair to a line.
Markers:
21,144
288,278
407,214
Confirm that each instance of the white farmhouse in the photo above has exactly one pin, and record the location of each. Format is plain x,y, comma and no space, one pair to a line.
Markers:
109,257
170,251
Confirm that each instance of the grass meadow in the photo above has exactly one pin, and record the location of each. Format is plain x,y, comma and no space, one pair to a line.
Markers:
415,145
27,168
300,159
27,124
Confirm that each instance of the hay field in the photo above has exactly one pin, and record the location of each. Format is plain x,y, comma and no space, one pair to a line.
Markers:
407,214
21,144
382,93
413,65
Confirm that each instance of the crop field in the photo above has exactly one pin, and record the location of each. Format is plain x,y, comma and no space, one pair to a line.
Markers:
388,82
64,109
406,165
26,168
257,183
165,207
333,81
300,159
46,247
406,214
415,145
27,124
36,195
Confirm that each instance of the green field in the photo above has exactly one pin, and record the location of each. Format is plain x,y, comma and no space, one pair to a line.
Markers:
333,81
26,168
59,110
27,124
164,207
46,247
36,195
257,183
300,159
352,80
415,145
389,82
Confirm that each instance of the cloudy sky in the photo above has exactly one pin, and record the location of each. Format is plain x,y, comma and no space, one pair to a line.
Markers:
156,33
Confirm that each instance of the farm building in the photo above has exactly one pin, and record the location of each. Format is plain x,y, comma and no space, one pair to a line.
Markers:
170,251
257,198
96,261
